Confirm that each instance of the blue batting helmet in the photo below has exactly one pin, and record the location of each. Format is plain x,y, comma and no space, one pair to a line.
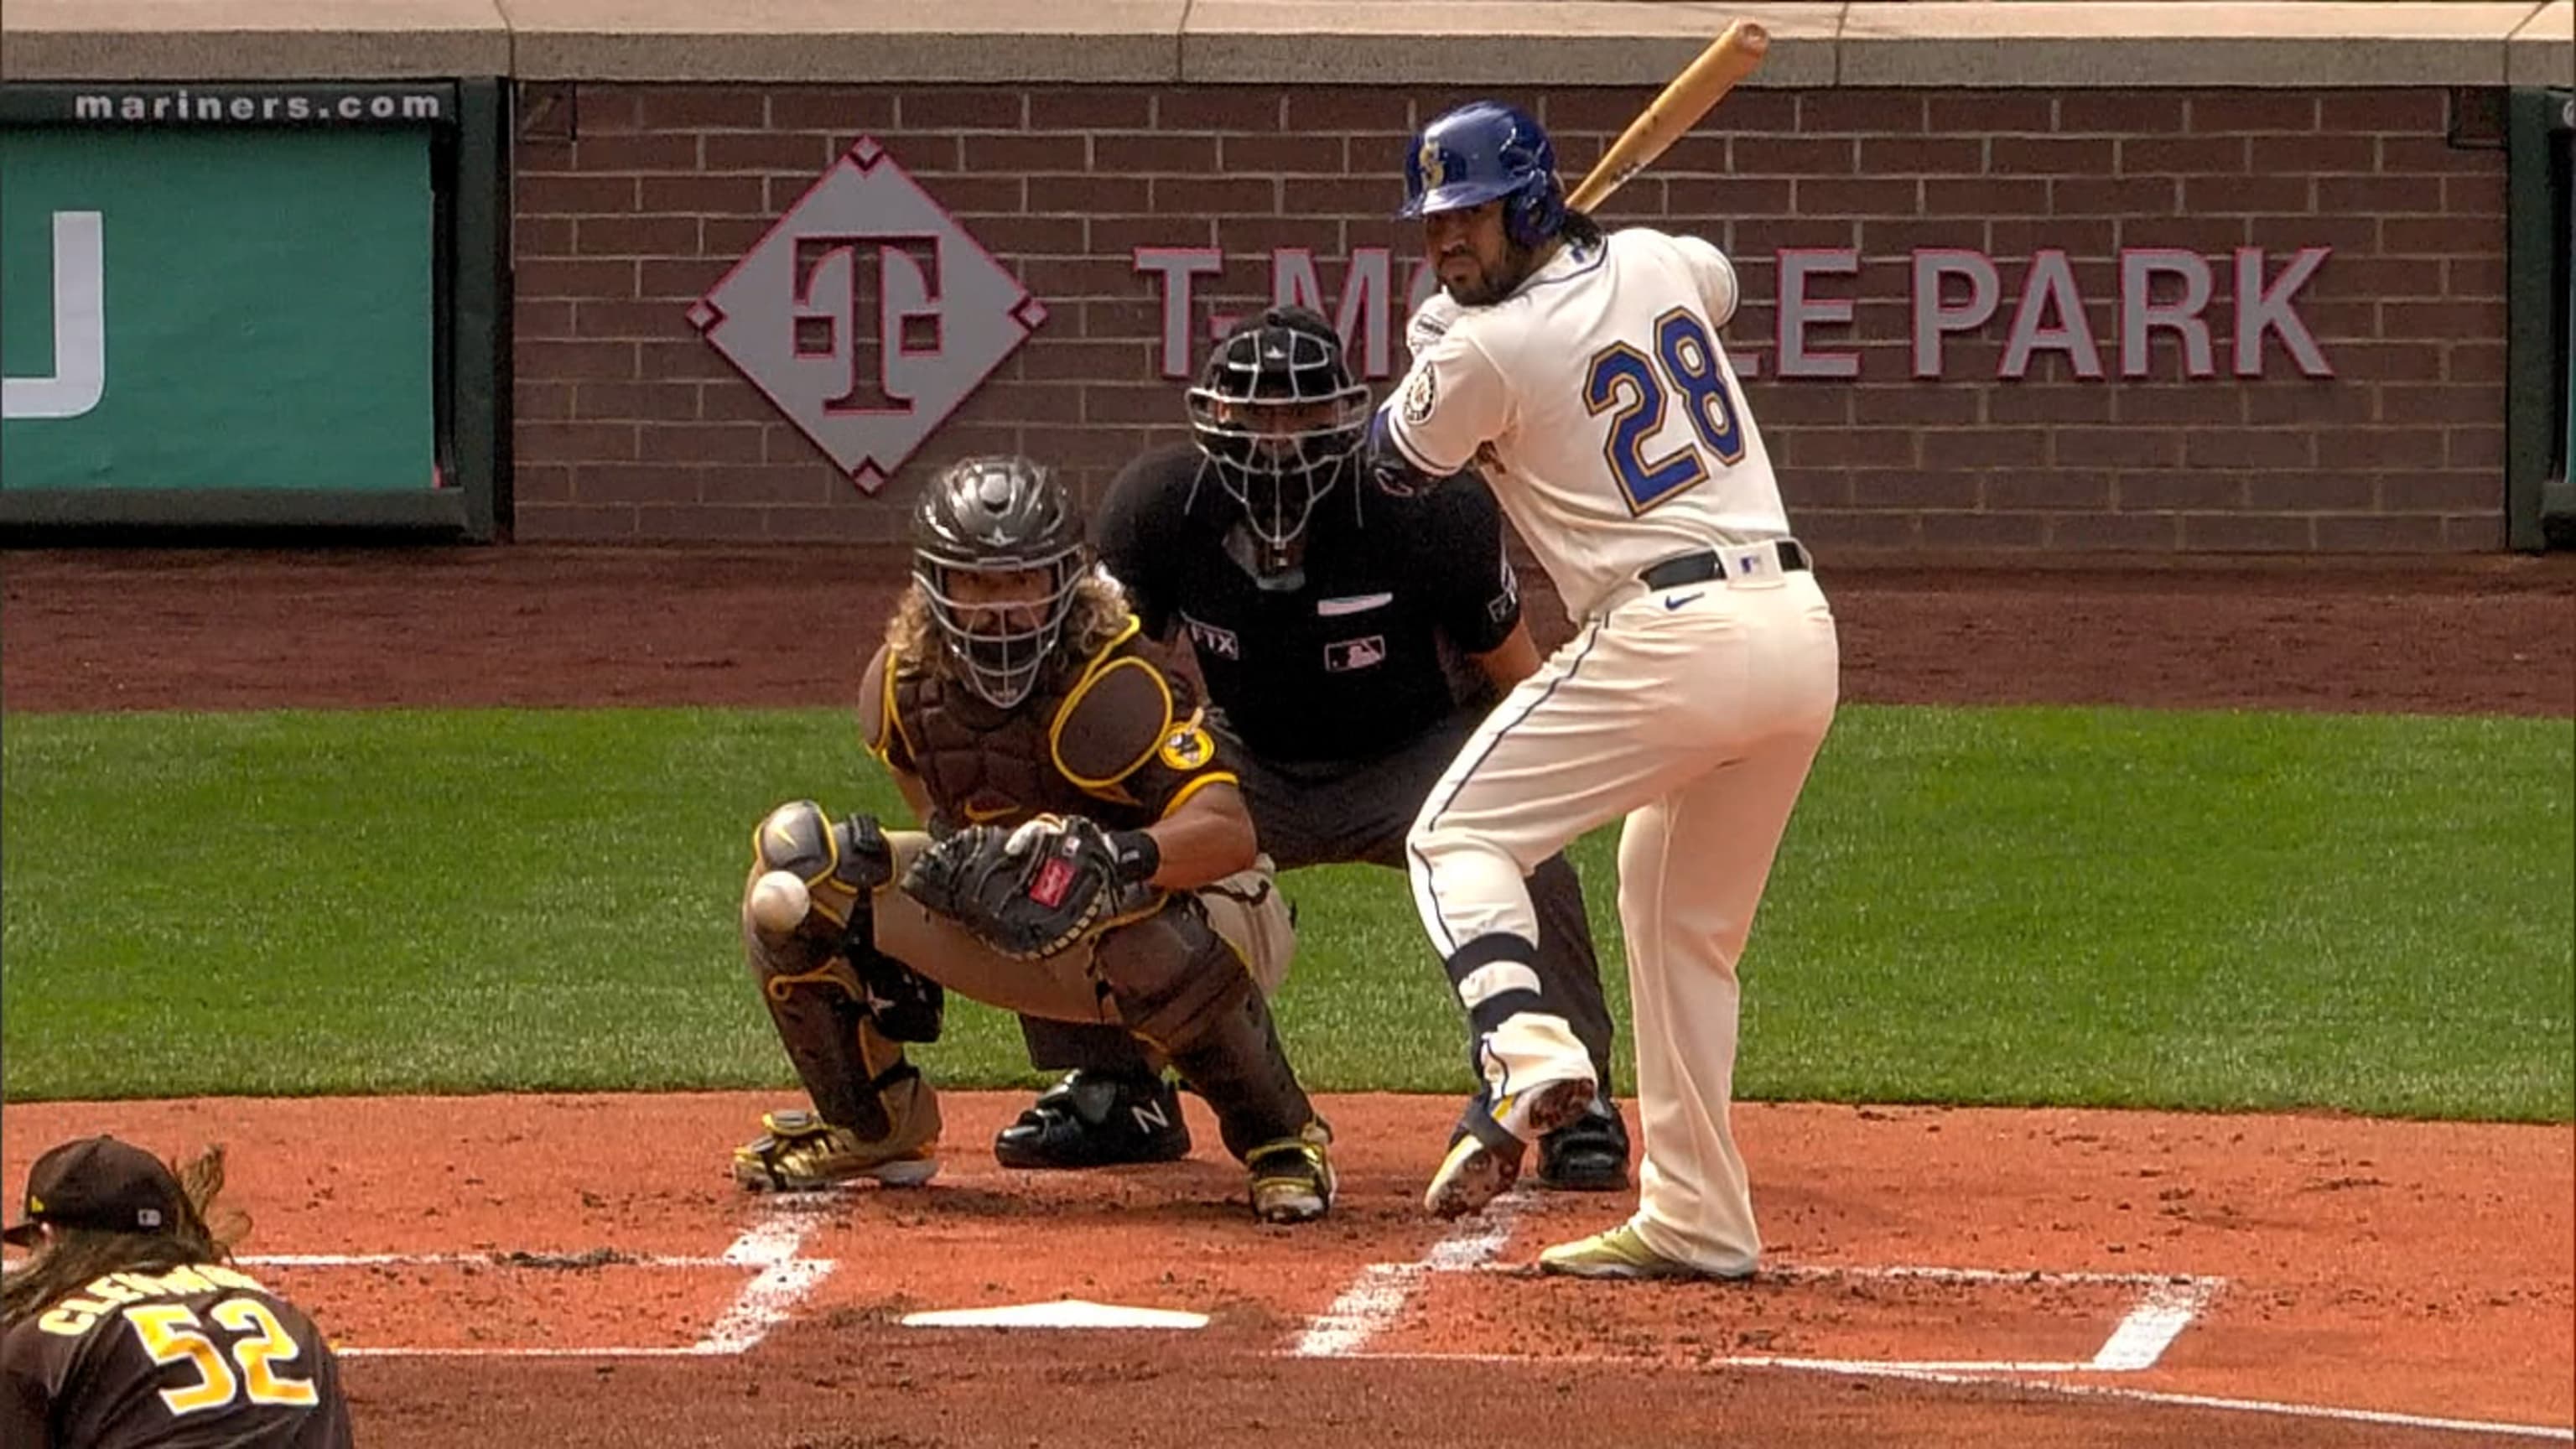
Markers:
1485,151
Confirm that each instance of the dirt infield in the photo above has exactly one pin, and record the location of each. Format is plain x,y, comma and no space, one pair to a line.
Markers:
578,1271
530,625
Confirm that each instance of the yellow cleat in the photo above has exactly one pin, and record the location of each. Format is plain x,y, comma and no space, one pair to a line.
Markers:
1292,1179
800,1152
1621,1253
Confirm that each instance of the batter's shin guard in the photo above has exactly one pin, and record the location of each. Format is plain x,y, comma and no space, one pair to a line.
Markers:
1178,985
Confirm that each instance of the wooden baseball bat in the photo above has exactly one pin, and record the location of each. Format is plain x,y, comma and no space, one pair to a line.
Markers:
1669,116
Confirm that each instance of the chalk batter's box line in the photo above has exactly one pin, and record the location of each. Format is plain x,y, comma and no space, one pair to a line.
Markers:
802,1272
2004,1375
2171,1301
780,1281
2166,1306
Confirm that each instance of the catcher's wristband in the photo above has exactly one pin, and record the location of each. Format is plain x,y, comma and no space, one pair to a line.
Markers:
1134,855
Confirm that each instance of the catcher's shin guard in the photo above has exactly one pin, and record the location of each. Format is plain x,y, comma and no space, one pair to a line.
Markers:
1178,985
839,1005
798,1151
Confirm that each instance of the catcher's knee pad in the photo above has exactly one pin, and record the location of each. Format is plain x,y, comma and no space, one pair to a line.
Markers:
1178,985
842,864
1169,972
838,860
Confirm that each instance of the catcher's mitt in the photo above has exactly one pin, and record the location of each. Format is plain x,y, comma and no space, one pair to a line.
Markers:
1029,892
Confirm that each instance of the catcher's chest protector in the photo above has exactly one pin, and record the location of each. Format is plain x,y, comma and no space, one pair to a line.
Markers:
986,767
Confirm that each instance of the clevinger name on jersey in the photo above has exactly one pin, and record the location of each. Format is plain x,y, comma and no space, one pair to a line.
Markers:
74,1316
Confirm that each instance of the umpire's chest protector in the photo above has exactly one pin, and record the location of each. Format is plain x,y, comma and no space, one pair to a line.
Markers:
1076,746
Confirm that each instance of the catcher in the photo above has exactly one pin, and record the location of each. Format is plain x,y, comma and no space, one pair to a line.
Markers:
1088,859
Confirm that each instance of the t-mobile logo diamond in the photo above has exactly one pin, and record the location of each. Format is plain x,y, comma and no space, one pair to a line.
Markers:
867,314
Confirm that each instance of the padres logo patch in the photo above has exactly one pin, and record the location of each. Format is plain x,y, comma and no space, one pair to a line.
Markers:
1419,394
1188,748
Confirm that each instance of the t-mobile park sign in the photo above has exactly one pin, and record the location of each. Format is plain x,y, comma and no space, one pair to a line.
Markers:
1954,291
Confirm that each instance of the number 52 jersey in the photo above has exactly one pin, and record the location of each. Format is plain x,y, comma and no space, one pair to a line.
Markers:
198,1357
1618,433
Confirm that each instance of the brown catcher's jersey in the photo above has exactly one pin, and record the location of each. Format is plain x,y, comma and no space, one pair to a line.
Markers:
200,1357
1117,738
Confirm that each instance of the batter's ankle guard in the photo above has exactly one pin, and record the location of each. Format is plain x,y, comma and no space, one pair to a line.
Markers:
1495,981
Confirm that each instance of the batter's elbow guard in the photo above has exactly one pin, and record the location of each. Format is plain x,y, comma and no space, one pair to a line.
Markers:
1387,466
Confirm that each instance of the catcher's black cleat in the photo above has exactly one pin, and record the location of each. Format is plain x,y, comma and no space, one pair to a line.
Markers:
1588,1154
1097,1119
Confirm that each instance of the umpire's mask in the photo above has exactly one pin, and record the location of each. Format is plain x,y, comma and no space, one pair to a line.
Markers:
1280,419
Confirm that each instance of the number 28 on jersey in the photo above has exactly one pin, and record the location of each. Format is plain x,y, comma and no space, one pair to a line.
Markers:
1638,389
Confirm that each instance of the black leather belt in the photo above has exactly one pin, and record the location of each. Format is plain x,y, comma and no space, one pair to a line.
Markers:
1707,564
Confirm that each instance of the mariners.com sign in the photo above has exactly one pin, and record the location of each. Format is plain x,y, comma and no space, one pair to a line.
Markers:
220,105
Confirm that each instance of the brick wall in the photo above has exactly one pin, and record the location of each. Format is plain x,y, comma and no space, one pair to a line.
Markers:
633,201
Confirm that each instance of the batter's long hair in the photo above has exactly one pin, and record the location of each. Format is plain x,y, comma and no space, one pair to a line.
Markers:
1099,611
71,1258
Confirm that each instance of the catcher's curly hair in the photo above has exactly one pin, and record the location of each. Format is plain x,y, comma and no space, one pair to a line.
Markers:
1098,613
71,1258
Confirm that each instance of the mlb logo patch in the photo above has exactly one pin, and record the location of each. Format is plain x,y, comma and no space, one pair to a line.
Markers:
1341,656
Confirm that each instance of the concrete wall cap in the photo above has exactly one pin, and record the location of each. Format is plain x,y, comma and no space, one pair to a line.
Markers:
2543,51
317,40
1489,42
2318,43
2313,44
992,41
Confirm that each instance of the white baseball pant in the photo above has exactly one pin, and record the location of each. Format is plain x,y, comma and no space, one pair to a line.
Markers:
1695,712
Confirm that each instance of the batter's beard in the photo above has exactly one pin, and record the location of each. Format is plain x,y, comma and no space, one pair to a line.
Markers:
1518,262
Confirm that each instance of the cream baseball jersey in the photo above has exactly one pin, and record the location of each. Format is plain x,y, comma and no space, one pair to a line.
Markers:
1605,402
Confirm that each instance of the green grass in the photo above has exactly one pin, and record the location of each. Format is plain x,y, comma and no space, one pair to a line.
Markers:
2095,907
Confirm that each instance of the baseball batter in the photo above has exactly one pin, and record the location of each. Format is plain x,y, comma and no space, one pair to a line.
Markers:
1583,374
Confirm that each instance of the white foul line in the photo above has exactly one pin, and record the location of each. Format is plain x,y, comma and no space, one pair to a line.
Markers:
2161,1316
2196,1401
770,1245
1377,1294
479,1260
773,1293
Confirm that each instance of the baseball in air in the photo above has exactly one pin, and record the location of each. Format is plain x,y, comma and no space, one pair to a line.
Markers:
779,901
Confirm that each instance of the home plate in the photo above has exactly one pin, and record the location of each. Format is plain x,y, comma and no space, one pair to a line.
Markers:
1063,1313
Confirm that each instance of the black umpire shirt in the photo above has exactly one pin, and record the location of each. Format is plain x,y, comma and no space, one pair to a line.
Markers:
1365,653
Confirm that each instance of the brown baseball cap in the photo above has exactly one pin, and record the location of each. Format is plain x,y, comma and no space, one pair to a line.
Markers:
101,1184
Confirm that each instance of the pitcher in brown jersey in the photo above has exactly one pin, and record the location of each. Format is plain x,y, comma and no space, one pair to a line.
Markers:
1012,684
129,1329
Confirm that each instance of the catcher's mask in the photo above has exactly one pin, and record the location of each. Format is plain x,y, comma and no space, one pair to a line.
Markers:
997,550
1280,418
